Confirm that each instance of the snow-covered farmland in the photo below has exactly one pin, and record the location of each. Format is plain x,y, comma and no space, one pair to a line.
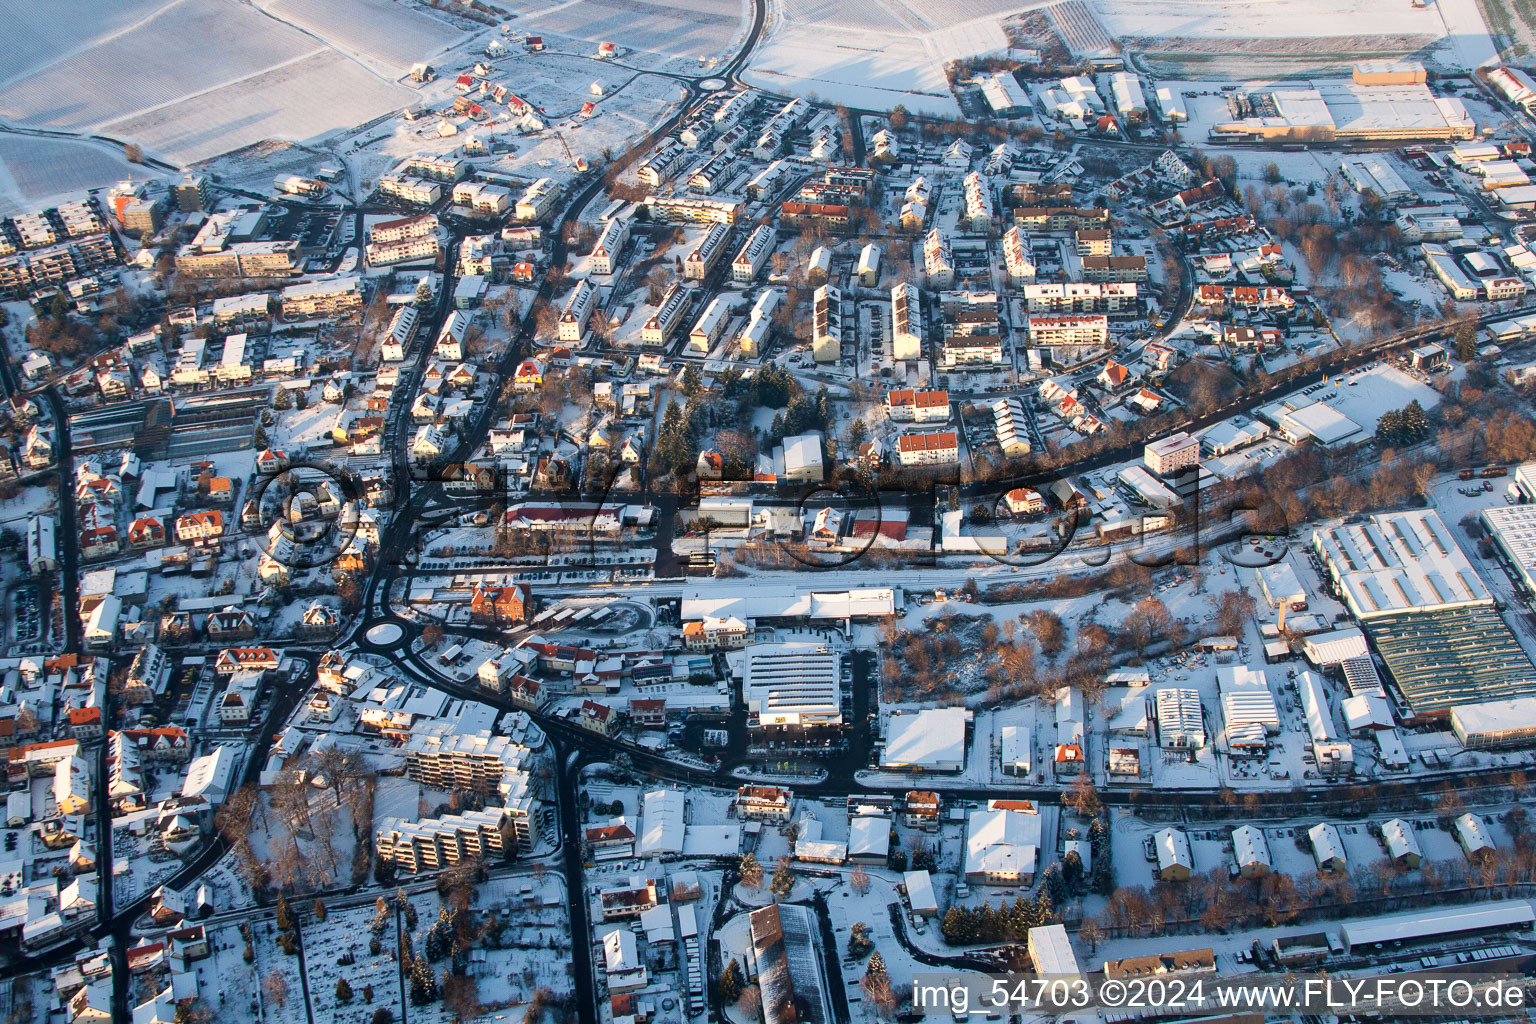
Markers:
35,170
390,34
1252,19
277,103
1296,33
876,54
703,30
250,76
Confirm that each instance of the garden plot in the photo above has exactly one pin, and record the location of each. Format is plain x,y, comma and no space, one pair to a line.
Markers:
340,935
227,982
534,947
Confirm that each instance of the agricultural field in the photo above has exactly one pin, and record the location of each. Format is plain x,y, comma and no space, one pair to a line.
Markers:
703,31
390,35
253,75
274,104
1514,24
1201,38
34,170
877,53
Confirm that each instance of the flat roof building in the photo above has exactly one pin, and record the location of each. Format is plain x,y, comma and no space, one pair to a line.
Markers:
793,685
932,740
1495,723
1050,950
1437,923
1426,609
1513,529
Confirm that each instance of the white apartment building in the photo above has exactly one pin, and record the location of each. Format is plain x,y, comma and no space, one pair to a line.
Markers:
827,325
414,191
1069,330
941,448
609,244
698,264
759,324
1172,453
658,328
979,212
323,298
538,200
1081,297
717,316
749,262
578,310
938,260
404,229
972,350
906,322
1016,253
482,198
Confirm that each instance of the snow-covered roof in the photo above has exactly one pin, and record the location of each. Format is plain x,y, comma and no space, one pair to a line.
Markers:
661,823
1400,840
1249,846
1327,845
920,892
931,740
1001,841
869,836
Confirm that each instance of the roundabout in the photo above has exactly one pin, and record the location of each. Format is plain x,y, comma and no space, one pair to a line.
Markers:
385,633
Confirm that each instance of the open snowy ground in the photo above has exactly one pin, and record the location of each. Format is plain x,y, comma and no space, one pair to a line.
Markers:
188,79
1448,33
34,170
705,30
875,54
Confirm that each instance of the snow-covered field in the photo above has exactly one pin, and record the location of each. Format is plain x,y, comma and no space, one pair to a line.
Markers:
275,103
1251,18
1451,33
876,54
703,30
391,34
250,76
33,170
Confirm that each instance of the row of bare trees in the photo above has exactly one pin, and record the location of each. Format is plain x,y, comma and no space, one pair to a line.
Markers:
301,814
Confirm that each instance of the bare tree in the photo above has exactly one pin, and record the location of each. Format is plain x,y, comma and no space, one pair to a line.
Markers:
274,987
1148,621
858,880
461,996
751,1002
1083,797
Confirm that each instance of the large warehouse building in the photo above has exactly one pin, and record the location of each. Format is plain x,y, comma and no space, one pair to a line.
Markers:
1424,607
1495,723
768,602
1513,528
1374,105
791,687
